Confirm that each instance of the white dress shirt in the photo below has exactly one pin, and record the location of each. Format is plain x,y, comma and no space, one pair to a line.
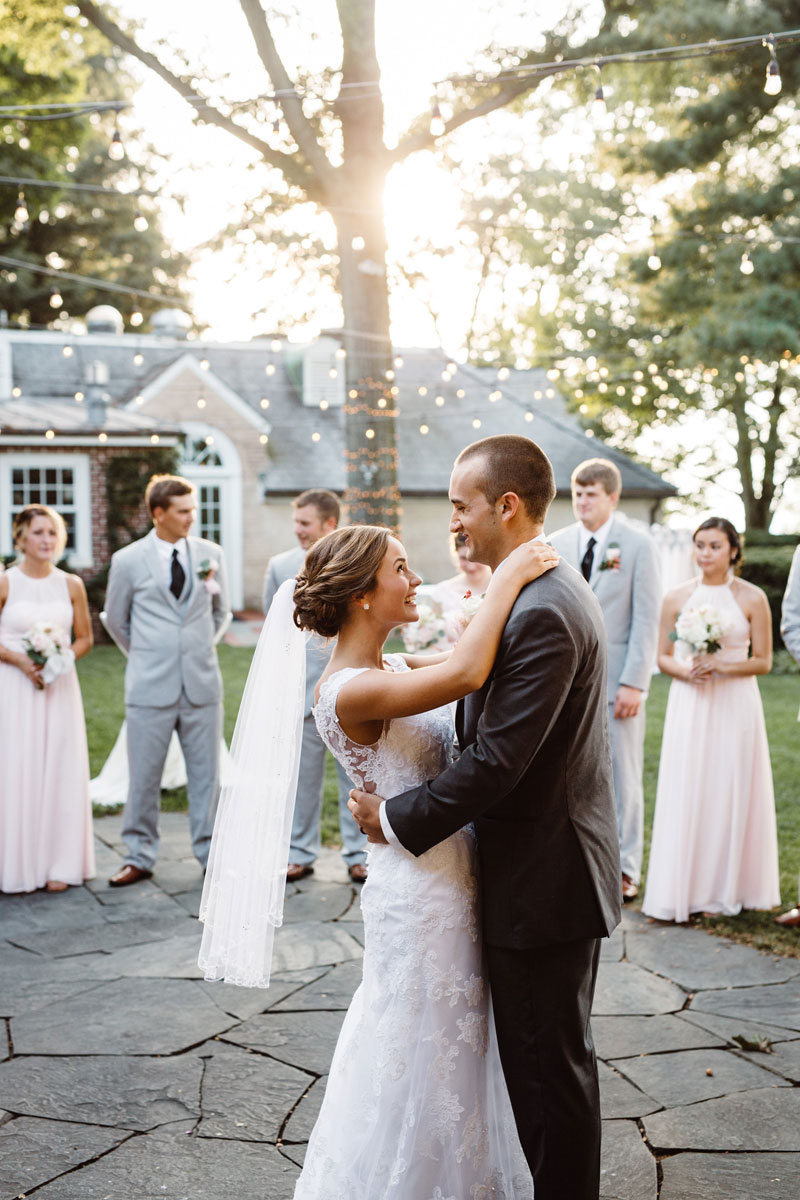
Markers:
600,538
165,553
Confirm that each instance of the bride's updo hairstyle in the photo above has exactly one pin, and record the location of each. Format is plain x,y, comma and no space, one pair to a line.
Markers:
734,538
339,567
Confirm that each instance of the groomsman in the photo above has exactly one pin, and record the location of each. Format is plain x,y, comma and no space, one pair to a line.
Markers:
790,632
620,563
316,512
167,599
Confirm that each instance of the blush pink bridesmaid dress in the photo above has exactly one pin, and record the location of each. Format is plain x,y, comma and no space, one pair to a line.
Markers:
714,846
45,814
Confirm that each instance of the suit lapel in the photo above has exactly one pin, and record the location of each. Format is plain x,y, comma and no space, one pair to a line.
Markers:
613,536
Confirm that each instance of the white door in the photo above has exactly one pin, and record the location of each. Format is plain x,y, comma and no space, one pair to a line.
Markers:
210,461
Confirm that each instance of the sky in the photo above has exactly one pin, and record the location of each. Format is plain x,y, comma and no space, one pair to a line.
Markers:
419,42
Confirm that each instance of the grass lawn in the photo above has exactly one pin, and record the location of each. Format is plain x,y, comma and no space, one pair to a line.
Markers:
101,676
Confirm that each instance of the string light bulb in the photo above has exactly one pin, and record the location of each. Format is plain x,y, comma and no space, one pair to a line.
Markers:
56,299
437,127
21,214
746,266
139,221
654,262
136,317
424,428
599,107
772,84
116,151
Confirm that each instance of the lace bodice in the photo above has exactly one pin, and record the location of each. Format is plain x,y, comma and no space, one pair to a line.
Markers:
409,751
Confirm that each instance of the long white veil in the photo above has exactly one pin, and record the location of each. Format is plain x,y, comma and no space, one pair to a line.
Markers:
245,882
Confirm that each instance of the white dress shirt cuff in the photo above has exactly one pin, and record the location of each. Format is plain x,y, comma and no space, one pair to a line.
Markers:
388,832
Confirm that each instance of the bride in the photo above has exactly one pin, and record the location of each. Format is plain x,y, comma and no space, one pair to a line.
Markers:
416,1106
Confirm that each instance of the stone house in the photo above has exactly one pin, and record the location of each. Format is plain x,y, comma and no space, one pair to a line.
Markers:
256,423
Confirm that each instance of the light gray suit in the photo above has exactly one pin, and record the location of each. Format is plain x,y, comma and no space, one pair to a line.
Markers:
172,682
790,619
305,841
630,598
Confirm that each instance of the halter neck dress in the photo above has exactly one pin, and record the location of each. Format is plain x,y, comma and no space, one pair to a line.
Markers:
45,814
714,846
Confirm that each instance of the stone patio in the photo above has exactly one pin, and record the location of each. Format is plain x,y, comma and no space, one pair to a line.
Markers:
124,1076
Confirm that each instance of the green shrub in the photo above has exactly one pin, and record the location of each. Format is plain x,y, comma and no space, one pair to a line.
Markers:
767,566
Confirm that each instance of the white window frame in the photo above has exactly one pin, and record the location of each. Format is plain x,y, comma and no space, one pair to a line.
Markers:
81,556
228,477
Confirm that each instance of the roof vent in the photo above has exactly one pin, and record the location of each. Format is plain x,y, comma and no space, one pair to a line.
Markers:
323,374
104,318
171,322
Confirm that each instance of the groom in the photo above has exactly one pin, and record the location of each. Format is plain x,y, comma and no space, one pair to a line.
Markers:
535,776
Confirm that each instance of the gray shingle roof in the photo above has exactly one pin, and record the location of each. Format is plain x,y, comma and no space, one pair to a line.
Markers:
43,373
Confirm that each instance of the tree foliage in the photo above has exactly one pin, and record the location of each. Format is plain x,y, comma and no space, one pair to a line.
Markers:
631,254
48,56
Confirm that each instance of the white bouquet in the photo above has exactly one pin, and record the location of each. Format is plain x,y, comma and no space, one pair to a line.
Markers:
425,634
699,629
48,646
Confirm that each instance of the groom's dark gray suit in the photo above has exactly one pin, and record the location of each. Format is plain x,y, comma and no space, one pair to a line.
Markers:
535,776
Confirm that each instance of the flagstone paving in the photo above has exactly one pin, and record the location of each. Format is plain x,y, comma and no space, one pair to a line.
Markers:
125,1076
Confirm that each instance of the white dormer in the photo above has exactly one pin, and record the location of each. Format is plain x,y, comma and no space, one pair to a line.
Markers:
323,374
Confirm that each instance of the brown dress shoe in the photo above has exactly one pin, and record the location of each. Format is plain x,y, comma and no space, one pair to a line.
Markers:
630,890
296,871
127,875
357,872
790,919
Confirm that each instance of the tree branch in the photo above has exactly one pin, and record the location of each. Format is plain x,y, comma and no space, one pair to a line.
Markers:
284,162
421,141
291,104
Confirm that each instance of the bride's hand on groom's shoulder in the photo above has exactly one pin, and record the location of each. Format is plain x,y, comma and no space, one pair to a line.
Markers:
365,808
530,560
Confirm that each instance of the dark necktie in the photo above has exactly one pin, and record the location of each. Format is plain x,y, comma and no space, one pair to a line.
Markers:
588,559
178,576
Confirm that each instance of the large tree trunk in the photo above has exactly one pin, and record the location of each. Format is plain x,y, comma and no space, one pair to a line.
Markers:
372,496
758,504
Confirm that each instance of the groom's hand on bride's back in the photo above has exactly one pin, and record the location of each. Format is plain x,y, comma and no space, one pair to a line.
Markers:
365,808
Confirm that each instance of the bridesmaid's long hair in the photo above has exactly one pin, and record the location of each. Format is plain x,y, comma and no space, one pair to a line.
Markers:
735,539
25,516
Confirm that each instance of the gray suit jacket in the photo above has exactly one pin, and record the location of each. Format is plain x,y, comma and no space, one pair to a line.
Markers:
318,651
169,642
790,612
630,598
534,774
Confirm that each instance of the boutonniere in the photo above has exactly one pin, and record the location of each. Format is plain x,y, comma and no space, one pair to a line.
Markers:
611,559
469,606
206,572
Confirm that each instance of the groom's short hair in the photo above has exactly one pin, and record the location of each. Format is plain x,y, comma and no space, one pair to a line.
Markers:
514,464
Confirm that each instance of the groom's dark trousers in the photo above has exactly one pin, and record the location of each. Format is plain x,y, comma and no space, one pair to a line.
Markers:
542,1001
535,776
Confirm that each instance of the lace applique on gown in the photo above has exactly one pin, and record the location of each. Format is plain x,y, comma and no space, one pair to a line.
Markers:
416,1106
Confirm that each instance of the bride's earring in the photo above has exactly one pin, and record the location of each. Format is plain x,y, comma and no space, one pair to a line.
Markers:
365,607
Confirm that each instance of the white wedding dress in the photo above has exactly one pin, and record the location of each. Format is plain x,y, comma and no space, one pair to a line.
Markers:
416,1106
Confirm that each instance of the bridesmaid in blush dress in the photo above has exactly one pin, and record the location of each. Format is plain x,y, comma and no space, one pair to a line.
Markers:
45,815
714,847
